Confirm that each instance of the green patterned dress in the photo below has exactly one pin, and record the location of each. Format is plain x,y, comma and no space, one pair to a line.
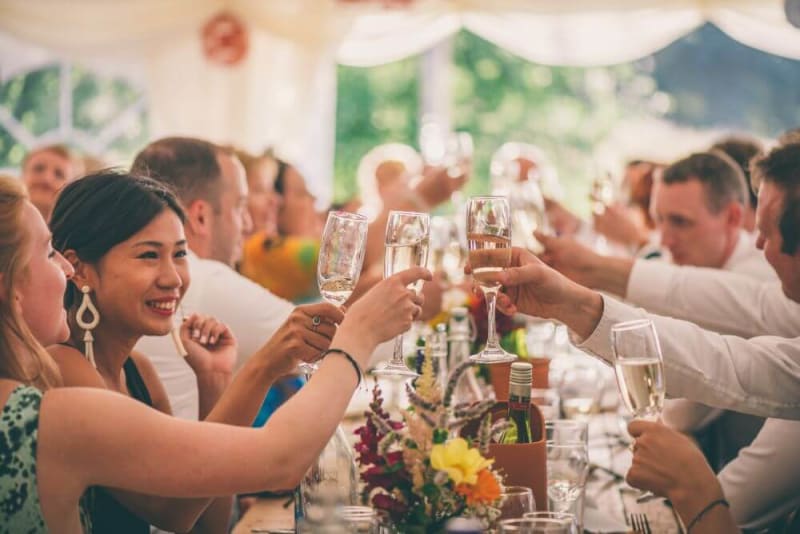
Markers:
20,510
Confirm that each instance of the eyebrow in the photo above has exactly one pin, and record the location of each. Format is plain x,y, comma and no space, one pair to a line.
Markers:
157,244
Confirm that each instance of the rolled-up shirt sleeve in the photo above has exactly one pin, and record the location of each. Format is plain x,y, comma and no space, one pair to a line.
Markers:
759,376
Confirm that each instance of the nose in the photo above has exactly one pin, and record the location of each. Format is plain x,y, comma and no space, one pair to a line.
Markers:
760,242
170,276
69,270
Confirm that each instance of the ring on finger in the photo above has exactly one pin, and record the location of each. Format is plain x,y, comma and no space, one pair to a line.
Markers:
315,322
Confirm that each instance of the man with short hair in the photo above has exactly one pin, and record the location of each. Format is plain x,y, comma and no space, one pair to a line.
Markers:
742,150
210,183
759,376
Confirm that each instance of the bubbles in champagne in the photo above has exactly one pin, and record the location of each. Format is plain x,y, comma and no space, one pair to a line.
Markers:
641,385
488,254
337,290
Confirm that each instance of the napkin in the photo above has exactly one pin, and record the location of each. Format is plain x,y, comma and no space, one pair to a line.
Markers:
599,522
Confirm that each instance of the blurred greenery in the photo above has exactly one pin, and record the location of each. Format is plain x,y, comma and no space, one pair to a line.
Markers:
97,101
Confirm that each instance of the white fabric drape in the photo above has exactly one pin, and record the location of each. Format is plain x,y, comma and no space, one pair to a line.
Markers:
283,94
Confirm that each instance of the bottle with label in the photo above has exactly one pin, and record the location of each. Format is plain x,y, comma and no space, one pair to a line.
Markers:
519,404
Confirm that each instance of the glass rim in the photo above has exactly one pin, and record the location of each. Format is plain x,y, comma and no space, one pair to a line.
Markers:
409,213
347,215
516,490
625,326
488,197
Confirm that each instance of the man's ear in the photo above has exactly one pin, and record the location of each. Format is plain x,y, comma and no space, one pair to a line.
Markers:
198,217
735,215
85,274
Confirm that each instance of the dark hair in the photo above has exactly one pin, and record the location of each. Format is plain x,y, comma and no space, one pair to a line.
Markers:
741,150
188,165
789,137
781,166
722,179
280,176
101,210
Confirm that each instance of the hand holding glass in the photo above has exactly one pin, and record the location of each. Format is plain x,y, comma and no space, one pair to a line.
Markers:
489,239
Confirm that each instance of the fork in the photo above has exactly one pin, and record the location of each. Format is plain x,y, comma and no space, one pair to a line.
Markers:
640,524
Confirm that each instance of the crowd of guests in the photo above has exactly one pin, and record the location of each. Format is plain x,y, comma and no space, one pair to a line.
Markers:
211,252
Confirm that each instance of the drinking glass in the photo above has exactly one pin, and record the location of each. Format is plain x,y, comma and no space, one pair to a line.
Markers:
528,214
446,254
567,430
489,239
567,471
407,238
341,255
516,501
639,368
535,525
580,389
557,516
548,401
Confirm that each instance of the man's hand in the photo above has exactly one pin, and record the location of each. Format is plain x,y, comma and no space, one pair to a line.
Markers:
618,223
569,257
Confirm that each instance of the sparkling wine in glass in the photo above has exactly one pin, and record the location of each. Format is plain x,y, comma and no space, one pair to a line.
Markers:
407,238
489,241
639,368
341,256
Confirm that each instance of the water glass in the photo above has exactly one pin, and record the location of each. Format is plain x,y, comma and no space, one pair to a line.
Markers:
567,471
580,390
548,401
535,525
515,501
557,516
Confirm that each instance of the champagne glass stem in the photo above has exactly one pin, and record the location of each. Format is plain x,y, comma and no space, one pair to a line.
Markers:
397,355
491,301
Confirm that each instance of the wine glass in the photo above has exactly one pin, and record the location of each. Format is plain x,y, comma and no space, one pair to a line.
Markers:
446,254
528,214
407,237
639,368
516,501
489,239
536,525
341,255
560,517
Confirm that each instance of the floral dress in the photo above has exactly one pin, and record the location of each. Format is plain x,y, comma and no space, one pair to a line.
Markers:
20,510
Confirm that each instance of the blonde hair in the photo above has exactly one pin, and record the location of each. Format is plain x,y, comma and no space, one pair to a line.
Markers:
17,359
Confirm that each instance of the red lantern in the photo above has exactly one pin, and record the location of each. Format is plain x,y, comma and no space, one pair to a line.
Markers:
225,39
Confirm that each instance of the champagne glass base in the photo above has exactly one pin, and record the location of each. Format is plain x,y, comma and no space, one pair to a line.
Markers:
397,371
493,355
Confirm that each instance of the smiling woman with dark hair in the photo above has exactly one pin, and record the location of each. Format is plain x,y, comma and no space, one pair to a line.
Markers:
57,443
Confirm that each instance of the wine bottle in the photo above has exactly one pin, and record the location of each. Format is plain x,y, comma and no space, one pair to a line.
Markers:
519,404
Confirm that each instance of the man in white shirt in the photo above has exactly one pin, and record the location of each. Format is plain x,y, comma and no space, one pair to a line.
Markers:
211,185
698,206
759,376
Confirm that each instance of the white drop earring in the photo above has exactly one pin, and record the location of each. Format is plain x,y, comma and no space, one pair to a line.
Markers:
88,339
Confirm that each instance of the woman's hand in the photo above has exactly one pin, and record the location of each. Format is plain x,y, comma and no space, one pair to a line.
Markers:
302,337
669,464
210,345
385,311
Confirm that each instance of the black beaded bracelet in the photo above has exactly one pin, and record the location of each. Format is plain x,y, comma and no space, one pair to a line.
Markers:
352,361
704,511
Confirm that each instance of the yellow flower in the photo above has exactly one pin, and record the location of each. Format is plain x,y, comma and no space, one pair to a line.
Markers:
459,461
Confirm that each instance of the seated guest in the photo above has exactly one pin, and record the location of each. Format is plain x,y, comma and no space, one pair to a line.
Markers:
699,206
760,376
60,442
124,238
742,150
281,254
45,171
211,186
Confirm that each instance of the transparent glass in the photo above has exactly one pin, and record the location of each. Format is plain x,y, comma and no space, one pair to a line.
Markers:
548,401
567,471
516,501
528,214
341,256
331,482
581,389
561,517
639,368
447,256
489,239
536,525
406,245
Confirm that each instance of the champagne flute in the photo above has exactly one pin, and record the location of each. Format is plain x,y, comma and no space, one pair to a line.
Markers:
407,237
639,368
489,238
341,255
446,254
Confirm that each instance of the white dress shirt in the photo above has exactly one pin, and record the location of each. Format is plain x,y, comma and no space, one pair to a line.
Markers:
652,285
760,376
251,312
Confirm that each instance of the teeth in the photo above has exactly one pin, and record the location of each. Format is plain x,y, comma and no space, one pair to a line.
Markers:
167,306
